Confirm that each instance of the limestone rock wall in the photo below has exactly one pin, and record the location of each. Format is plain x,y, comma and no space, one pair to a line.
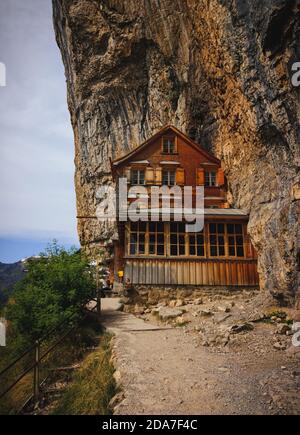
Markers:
219,70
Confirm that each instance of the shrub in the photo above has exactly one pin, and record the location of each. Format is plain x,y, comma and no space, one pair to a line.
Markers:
55,288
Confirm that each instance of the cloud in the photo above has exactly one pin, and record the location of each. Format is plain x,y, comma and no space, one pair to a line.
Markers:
36,141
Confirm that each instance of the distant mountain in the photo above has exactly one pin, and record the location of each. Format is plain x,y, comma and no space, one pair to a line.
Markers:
10,274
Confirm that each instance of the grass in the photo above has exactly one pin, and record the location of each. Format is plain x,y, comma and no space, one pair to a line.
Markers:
278,314
92,387
182,323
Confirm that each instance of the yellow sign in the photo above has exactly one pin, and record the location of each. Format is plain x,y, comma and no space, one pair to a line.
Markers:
120,273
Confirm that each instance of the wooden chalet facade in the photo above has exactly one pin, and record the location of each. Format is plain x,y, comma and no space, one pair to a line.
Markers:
163,253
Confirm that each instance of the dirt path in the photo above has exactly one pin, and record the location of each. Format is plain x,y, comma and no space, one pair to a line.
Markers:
165,371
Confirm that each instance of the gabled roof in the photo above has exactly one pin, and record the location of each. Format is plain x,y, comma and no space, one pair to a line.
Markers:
160,133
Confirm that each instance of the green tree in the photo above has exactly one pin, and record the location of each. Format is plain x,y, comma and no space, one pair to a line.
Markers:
55,288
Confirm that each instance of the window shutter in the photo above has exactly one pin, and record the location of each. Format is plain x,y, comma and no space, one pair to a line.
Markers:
158,176
200,177
221,177
149,175
180,177
127,174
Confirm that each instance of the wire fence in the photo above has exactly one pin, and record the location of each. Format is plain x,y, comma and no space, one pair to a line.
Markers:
32,368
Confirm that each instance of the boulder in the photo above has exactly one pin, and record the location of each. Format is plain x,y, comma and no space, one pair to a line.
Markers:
167,313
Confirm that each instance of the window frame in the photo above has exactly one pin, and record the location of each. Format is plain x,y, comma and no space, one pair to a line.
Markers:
168,150
208,174
166,232
177,244
156,233
138,233
236,245
169,172
197,245
139,172
217,234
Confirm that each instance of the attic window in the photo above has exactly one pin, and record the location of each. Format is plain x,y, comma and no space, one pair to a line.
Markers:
169,145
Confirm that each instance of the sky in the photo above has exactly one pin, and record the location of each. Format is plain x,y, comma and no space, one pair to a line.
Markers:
37,198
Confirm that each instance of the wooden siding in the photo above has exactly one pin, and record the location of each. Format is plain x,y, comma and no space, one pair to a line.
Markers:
192,272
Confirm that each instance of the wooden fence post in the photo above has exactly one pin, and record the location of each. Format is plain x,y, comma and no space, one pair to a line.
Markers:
99,302
36,372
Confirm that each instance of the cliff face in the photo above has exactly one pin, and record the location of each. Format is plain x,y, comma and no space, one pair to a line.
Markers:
219,70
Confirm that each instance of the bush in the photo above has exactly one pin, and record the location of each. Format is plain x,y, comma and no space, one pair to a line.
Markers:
55,288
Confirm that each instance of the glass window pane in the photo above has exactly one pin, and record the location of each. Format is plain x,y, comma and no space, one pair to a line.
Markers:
240,251
173,227
134,226
239,240
200,251
213,178
160,227
133,237
152,239
221,240
200,239
221,251
181,240
152,227
132,249
192,250
134,177
181,249
213,251
160,239
169,145
232,251
160,249
151,249
221,228
212,228
230,228
213,240
174,250
192,240
142,177
142,249
173,239
172,178
142,238
231,240
238,229
181,227
165,178
142,226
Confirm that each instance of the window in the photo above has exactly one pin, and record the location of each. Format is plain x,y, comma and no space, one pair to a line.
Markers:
156,238
217,240
210,178
169,145
137,238
168,178
196,245
235,240
177,238
137,177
